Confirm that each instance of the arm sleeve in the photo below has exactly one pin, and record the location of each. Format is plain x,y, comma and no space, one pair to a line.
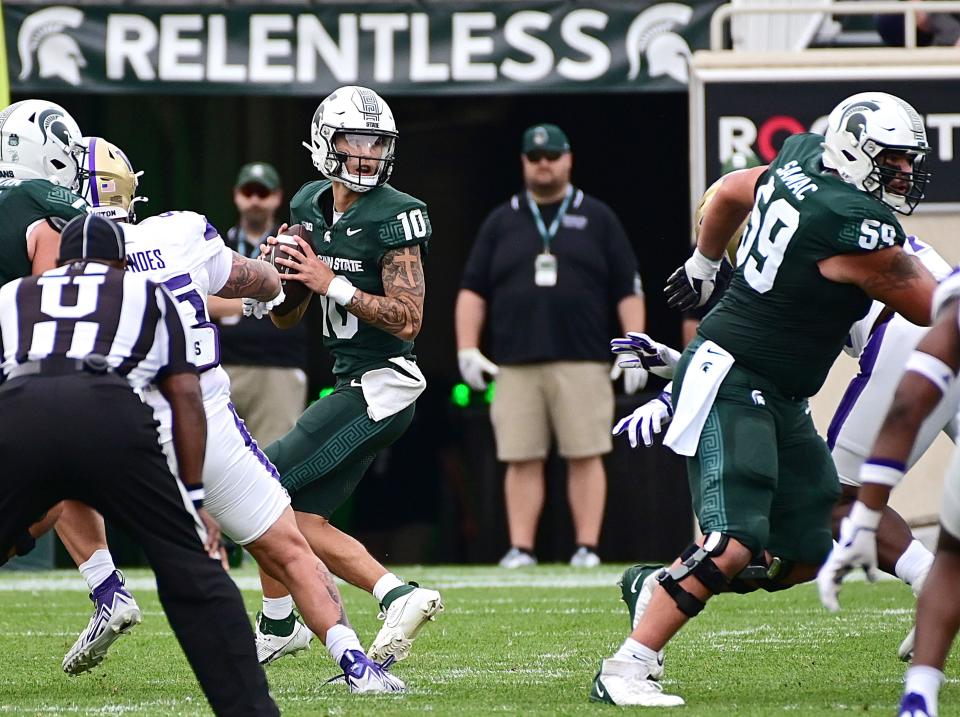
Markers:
476,274
622,262
171,331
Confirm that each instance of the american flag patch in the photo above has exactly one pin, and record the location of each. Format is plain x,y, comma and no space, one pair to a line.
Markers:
108,185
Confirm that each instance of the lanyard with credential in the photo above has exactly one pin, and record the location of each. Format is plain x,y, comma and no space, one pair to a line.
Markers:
548,234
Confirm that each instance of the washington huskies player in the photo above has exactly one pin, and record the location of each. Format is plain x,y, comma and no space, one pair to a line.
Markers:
369,280
882,343
929,380
40,153
822,241
184,251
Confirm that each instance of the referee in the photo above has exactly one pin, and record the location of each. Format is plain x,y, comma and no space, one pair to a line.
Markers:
77,341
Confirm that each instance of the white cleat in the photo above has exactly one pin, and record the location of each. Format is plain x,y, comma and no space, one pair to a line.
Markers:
584,558
114,614
273,647
402,621
629,683
516,558
905,651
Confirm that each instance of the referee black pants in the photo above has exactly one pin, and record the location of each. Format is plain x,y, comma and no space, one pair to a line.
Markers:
90,438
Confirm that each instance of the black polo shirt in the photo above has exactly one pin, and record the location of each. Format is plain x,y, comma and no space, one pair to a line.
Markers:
257,342
571,321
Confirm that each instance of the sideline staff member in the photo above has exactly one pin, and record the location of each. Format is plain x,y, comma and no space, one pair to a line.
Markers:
550,273
76,341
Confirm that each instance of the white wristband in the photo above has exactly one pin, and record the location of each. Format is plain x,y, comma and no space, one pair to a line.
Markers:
341,290
704,263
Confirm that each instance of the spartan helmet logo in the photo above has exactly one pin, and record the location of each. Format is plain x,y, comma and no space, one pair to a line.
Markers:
540,136
58,55
653,33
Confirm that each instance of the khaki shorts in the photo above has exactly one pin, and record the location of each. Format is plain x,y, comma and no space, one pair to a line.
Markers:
573,400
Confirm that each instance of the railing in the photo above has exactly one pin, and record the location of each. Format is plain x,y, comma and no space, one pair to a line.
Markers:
907,8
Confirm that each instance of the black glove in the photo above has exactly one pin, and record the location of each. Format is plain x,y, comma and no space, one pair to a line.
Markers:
691,285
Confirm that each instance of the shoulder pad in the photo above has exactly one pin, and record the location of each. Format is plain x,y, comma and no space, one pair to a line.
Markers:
947,291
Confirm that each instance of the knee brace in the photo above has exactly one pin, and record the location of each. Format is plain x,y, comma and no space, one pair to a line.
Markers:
697,561
762,575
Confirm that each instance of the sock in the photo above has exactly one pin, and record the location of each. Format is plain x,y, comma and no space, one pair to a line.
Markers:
341,638
587,546
925,681
384,585
98,568
277,608
914,564
633,650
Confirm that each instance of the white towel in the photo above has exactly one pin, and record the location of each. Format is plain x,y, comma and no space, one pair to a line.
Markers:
705,372
387,391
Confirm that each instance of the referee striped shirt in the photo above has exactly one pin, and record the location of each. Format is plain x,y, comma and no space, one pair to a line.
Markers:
89,307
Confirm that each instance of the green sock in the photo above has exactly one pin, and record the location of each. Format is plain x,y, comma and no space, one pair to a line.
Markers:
399,591
280,628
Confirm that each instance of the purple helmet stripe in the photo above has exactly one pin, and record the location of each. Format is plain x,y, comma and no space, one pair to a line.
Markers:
91,167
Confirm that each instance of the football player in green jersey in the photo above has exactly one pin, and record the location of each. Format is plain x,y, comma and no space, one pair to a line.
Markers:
821,242
40,165
366,270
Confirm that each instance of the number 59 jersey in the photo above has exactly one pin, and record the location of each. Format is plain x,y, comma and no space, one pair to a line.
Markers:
379,221
185,253
780,317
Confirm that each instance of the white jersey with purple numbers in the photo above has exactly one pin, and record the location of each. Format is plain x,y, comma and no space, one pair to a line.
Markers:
185,253
883,352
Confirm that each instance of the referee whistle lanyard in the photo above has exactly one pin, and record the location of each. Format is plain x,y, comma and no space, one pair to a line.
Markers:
545,263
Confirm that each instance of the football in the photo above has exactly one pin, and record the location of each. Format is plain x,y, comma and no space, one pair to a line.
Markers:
295,291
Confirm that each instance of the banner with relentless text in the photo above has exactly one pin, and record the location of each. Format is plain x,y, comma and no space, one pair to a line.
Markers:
402,47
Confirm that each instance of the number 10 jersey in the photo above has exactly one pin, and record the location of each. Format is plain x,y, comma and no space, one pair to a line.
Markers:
780,317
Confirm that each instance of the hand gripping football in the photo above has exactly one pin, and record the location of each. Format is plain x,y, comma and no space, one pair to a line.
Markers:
296,291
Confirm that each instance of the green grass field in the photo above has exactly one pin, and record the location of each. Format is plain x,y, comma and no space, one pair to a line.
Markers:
523,642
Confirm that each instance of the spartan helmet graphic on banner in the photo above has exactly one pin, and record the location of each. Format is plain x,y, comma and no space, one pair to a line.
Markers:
654,34
57,54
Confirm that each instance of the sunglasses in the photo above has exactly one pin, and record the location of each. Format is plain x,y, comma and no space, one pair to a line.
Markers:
255,190
538,154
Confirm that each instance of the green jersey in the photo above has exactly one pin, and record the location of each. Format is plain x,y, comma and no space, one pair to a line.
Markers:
23,202
381,220
780,317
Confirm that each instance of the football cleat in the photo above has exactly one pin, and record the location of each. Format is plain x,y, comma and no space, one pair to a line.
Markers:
636,588
115,612
272,647
914,705
905,651
584,558
629,682
516,558
404,611
363,675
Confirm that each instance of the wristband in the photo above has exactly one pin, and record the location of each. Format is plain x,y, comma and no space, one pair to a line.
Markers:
883,472
341,290
863,517
196,496
931,368
704,263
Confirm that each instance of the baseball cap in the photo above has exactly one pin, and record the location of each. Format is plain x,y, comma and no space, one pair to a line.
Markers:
546,137
259,173
90,236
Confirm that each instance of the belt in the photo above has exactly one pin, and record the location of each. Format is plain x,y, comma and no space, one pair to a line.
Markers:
61,366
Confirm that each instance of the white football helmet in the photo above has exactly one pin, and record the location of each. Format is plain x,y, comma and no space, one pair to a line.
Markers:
863,126
107,180
353,123
40,140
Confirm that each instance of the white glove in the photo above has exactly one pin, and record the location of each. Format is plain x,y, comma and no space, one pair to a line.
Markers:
648,420
473,365
633,378
856,548
258,309
636,349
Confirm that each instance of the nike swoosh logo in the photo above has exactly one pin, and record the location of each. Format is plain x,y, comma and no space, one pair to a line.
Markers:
600,691
633,585
715,353
355,383
351,232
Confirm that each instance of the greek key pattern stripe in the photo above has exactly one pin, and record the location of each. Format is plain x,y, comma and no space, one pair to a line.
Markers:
710,451
333,452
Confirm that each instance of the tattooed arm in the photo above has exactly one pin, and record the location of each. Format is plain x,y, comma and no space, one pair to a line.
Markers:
892,276
250,278
400,312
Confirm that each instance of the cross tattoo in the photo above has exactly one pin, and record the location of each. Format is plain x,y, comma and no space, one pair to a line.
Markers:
408,260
